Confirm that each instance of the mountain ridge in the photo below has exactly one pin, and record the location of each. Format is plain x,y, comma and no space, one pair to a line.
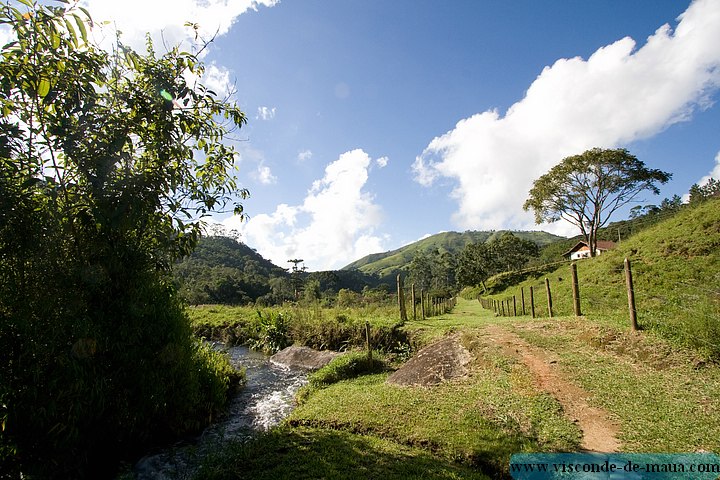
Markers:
385,264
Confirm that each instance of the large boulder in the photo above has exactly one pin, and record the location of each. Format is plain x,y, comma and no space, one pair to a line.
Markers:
303,357
434,364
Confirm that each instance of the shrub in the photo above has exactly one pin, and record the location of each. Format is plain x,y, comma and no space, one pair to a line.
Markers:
271,333
344,367
98,198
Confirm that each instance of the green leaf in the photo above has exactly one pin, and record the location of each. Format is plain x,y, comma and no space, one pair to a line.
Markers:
72,32
81,26
55,39
43,87
87,14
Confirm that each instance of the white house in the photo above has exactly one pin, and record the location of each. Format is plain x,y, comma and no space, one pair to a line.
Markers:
582,250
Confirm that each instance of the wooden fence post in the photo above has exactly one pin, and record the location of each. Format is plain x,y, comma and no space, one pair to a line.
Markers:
549,297
422,303
631,296
401,299
514,307
367,340
412,294
522,296
575,289
532,302
503,307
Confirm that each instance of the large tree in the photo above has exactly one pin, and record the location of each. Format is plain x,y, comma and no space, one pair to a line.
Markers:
475,265
512,253
108,161
587,189
479,261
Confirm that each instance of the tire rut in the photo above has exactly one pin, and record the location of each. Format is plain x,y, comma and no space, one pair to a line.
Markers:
599,431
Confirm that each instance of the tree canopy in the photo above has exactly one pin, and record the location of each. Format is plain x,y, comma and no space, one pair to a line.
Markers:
479,261
587,189
710,189
108,162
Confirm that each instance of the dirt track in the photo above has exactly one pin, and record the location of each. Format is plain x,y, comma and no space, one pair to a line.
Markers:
599,432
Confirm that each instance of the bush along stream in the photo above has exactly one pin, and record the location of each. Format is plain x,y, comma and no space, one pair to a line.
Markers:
249,336
265,399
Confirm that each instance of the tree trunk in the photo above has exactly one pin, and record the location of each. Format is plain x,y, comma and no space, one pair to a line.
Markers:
592,244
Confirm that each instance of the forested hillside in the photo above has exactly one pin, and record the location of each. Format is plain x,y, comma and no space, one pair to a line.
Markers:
387,264
223,270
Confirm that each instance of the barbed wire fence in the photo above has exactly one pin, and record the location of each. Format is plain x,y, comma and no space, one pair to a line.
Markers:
682,309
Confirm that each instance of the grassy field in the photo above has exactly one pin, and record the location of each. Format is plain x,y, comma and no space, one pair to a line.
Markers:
662,396
273,328
666,399
676,275
660,386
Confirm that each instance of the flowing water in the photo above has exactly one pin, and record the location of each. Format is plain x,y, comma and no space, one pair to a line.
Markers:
267,398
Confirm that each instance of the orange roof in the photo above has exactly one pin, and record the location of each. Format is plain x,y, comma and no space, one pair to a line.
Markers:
601,245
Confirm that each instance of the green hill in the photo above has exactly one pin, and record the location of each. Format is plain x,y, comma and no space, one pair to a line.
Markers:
676,274
388,264
223,270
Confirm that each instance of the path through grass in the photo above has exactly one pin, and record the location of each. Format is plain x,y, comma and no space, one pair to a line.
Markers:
663,398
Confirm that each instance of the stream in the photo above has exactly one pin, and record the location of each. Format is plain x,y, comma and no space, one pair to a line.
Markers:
266,398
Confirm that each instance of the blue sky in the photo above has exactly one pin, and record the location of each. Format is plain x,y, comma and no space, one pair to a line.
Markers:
374,123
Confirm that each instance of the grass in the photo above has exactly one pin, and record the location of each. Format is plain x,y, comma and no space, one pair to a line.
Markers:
662,385
310,453
465,428
480,420
665,398
356,425
676,273
272,328
466,314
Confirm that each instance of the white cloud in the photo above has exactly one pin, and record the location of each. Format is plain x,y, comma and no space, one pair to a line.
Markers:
618,95
714,173
304,155
333,226
165,19
382,162
6,35
217,79
264,175
266,113
252,161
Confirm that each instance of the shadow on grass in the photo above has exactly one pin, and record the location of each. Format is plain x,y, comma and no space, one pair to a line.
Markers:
307,453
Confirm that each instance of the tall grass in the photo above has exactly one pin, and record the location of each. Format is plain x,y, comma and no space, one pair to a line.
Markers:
270,329
676,275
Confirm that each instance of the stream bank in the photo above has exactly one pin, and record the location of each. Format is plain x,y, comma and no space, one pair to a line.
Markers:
266,398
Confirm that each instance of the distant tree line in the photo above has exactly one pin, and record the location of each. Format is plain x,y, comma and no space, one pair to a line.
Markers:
445,273
224,270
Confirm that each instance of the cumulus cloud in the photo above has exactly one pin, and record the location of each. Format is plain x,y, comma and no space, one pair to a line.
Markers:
266,113
618,95
264,175
217,79
165,19
382,162
304,155
6,35
714,174
333,226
